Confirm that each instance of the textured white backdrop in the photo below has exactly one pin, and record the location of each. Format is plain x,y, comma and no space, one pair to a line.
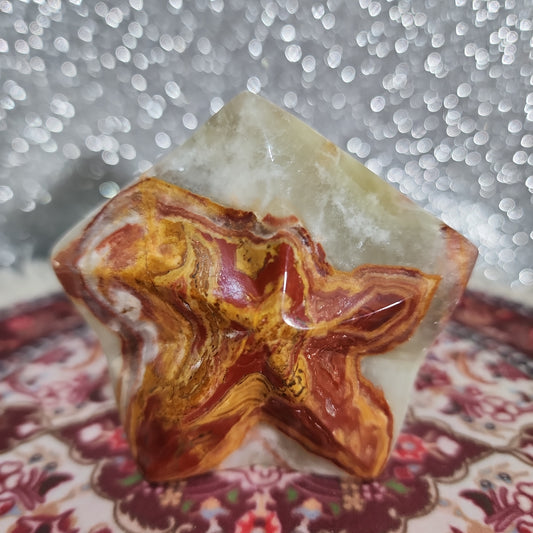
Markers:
434,96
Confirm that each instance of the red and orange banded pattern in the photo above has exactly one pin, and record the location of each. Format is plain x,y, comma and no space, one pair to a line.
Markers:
225,320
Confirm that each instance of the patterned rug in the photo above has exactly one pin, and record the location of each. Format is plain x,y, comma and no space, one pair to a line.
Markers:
463,462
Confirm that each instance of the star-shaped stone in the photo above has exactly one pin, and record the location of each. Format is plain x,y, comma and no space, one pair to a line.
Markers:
222,321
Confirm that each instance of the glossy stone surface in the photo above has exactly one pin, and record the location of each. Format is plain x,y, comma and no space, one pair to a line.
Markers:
279,317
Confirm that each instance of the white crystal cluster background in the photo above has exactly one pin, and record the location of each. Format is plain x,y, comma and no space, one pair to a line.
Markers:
435,97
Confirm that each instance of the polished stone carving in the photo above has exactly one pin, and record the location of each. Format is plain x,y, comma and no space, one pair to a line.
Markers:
223,322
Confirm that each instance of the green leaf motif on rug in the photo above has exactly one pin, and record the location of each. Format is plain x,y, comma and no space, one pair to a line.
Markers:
292,494
232,495
396,486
